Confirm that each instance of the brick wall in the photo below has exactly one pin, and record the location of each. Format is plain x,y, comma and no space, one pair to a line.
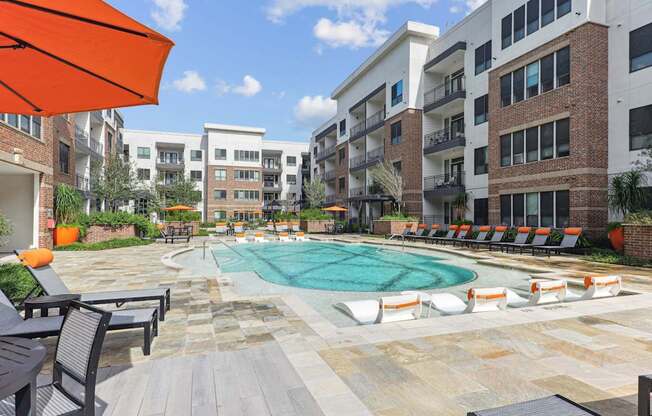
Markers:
584,100
64,133
638,241
98,233
230,204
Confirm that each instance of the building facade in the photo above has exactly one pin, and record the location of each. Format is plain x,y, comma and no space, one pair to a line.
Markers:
524,110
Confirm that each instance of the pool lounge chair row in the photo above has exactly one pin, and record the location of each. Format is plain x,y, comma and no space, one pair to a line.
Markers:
259,237
408,305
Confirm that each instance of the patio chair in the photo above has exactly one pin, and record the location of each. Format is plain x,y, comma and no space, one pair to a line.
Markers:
76,356
422,231
221,228
259,237
13,325
460,237
296,227
173,234
300,236
282,227
270,226
483,232
541,292
238,227
568,242
497,237
407,231
386,309
241,238
540,239
452,230
597,287
479,300
434,229
284,237
37,262
522,234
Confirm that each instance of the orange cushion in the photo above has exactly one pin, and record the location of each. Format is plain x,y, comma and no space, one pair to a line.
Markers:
408,225
422,226
239,234
470,292
283,234
453,227
435,226
485,229
573,231
542,231
501,228
588,280
259,234
533,288
36,258
400,305
465,227
524,229
300,234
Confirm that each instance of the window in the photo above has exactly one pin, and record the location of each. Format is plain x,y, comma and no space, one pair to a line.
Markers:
481,160
640,48
563,7
64,157
397,93
506,209
291,179
36,126
314,151
519,85
219,215
220,174
519,23
143,153
12,120
220,154
125,151
547,12
481,111
506,29
532,16
506,150
342,127
481,211
562,209
143,174
518,209
396,133
547,141
547,73
24,123
483,58
291,160
547,209
246,175
195,155
246,155
341,185
195,175
518,140
532,144
506,90
563,66
562,137
532,209
219,194
341,156
640,128
246,195
532,79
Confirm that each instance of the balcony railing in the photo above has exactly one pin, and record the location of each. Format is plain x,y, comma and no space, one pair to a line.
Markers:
97,115
331,199
327,152
82,183
367,159
375,155
358,130
277,165
329,176
96,147
443,92
80,134
376,120
358,192
168,161
443,139
446,183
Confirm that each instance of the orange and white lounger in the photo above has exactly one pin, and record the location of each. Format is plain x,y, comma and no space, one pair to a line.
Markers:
541,292
284,236
300,236
387,309
598,287
259,237
241,238
479,300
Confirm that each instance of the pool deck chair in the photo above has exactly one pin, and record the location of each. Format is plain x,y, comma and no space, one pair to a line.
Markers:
497,237
13,325
452,230
282,227
270,227
220,228
300,236
568,242
483,232
296,227
540,239
480,300
407,231
422,231
241,238
52,285
434,229
387,309
238,227
259,237
522,234
598,287
541,292
284,237
460,237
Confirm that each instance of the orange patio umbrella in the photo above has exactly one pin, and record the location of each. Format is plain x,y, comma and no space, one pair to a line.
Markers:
179,208
66,56
335,208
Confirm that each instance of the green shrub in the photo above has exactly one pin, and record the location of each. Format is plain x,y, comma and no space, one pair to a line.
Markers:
105,245
202,233
462,222
314,214
15,281
118,219
6,229
602,255
639,218
398,217
207,224
182,216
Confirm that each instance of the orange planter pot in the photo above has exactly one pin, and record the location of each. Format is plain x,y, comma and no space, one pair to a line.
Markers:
64,236
617,239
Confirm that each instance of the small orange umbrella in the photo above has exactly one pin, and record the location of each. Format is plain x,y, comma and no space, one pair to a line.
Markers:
179,208
335,208
67,56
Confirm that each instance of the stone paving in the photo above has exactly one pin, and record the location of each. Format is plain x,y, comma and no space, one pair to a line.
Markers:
590,351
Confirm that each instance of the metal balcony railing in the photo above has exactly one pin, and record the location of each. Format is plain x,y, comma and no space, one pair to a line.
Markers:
358,130
453,181
327,152
357,192
375,155
433,219
441,136
277,165
376,120
444,90
328,176
80,134
82,183
330,199
96,147
170,161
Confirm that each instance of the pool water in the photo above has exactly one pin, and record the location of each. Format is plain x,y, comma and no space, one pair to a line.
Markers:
340,267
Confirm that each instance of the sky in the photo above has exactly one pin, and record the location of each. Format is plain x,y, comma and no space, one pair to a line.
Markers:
267,63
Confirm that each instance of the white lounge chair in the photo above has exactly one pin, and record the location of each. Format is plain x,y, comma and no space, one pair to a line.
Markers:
541,292
300,236
597,287
259,237
241,238
284,237
220,228
387,309
282,227
480,300
238,227
270,227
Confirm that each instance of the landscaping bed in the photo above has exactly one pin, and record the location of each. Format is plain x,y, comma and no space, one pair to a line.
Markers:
106,245
15,281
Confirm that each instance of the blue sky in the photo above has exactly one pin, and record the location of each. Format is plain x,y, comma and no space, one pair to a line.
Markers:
267,63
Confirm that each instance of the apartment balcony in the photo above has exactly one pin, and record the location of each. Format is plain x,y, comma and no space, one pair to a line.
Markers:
331,199
272,187
326,153
96,116
274,205
445,95
357,131
448,60
367,193
443,139
369,159
170,164
83,184
446,184
305,168
276,167
329,176
372,123
433,219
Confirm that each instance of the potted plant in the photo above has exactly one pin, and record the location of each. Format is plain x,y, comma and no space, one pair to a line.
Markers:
67,207
626,195
6,229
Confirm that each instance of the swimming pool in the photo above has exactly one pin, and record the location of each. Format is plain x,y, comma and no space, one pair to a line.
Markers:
340,267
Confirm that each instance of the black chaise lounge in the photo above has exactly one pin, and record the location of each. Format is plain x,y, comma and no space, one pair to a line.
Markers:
460,237
499,234
52,285
452,230
540,239
76,356
407,231
13,325
483,232
522,234
568,242
434,229
422,231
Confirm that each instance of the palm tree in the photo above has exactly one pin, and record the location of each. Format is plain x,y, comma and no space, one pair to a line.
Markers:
626,192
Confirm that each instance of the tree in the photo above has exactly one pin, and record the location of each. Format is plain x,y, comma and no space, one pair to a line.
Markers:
460,205
182,191
67,204
626,192
315,191
115,182
390,181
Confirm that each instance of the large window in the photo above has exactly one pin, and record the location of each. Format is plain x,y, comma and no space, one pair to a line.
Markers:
640,48
481,160
506,30
291,179
519,85
341,156
532,144
532,79
220,174
563,7
640,128
247,195
532,16
506,90
219,215
532,209
481,111
547,141
396,133
563,66
535,209
506,150
506,209
547,12
246,155
195,155
518,210
519,23
483,58
562,137
246,175
341,185
143,153
24,123
219,194
481,211
220,154
518,146
343,128
547,73
143,174
562,209
397,93
536,143
64,158
291,160
547,201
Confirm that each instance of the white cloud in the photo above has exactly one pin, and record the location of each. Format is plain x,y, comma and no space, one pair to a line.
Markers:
312,111
190,82
470,5
455,9
350,33
250,86
169,13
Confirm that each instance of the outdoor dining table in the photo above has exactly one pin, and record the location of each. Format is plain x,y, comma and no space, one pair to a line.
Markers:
20,362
